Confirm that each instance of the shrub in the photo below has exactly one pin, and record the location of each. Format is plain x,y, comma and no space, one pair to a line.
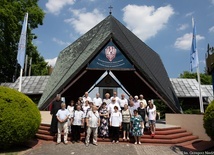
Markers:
162,108
192,111
209,120
19,117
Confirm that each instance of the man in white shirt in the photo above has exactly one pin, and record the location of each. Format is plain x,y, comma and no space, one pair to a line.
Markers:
123,101
86,97
92,123
141,99
112,104
62,117
97,100
115,96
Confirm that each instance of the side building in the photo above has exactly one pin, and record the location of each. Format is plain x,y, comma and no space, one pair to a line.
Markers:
185,89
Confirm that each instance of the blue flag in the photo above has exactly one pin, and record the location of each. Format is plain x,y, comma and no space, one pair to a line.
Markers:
194,54
22,43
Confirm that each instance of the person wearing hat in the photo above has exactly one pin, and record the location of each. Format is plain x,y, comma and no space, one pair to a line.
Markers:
136,102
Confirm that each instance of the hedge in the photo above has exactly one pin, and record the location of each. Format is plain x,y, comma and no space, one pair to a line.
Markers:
19,117
209,120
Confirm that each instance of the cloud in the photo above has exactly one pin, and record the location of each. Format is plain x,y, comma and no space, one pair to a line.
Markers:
212,28
60,42
182,27
84,21
55,6
212,2
51,62
146,21
184,42
189,14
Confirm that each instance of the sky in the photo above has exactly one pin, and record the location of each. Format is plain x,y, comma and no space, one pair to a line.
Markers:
164,25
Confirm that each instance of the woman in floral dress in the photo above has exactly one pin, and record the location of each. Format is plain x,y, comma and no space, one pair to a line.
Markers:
137,126
104,121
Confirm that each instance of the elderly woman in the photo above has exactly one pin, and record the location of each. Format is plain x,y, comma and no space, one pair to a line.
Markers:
142,111
107,99
136,126
70,108
126,115
104,121
115,123
77,120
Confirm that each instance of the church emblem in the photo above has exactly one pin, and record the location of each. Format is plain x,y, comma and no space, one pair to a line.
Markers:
110,52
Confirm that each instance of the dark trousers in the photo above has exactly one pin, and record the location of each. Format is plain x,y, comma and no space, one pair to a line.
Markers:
115,133
76,130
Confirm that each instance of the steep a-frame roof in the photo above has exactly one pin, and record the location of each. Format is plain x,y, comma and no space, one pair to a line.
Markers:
73,60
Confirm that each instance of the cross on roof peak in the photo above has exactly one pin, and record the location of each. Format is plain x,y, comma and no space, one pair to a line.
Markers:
110,8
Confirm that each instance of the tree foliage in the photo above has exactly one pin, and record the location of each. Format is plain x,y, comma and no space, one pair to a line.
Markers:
11,18
205,79
162,108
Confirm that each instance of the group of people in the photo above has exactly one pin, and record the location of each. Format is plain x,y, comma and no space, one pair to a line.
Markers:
103,117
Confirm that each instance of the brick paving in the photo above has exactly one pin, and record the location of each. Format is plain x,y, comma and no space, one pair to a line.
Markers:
49,148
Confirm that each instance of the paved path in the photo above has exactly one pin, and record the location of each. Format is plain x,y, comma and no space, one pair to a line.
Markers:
50,148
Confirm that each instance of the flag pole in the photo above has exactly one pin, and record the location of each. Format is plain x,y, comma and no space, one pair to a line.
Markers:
194,63
200,95
22,49
20,80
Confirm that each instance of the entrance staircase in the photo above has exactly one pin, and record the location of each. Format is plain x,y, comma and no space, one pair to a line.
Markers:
166,135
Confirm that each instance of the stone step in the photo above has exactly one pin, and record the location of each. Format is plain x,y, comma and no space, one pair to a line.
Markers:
168,132
44,132
42,127
168,128
45,137
184,139
169,136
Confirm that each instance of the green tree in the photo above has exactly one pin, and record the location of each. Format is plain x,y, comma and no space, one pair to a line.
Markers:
205,79
11,18
39,66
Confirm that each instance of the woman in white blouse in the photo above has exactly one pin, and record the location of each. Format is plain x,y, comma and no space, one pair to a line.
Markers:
115,123
151,110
